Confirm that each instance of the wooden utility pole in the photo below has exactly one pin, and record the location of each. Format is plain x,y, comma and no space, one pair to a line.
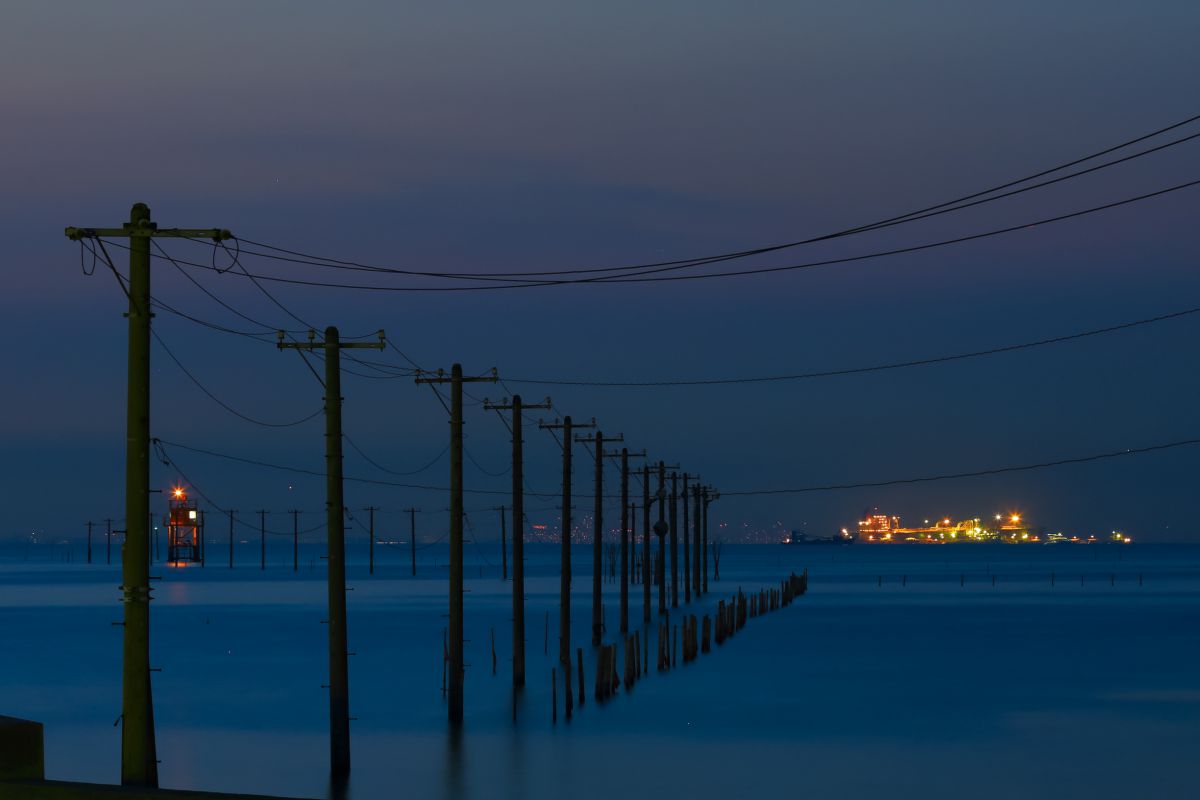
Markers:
660,530
624,540
564,580
646,543
139,756
412,536
262,538
598,533
687,556
295,540
503,548
673,515
709,495
339,669
456,381
517,429
699,555
371,532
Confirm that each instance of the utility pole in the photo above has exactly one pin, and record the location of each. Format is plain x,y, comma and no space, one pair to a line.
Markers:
696,513
295,540
518,517
598,533
687,556
89,552
456,380
709,495
503,548
674,524
231,513
108,541
339,677
646,543
698,546
371,523
564,580
625,536
660,530
139,757
262,537
412,536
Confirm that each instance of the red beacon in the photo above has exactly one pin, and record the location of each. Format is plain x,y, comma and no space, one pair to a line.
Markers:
183,529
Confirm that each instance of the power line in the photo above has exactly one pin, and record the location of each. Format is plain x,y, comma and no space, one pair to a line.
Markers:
859,370
382,468
956,204
161,443
973,474
650,278
221,402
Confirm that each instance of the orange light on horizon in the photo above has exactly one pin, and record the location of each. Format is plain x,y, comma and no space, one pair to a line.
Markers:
178,493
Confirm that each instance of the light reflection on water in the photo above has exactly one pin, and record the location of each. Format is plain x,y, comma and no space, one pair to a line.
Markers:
919,686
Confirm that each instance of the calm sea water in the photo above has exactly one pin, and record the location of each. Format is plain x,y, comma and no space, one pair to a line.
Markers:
907,671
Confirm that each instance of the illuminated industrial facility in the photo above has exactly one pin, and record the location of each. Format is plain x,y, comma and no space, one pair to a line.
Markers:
1007,528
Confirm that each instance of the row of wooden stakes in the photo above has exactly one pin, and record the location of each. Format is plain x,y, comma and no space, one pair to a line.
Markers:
698,634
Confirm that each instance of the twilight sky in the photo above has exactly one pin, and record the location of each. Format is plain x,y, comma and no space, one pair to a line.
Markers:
549,135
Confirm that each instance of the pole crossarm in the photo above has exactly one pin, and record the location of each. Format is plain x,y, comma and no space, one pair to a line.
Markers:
425,376
506,405
313,344
549,426
145,228
591,438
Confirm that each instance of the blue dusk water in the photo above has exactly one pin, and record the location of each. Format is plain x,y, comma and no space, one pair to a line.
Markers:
907,671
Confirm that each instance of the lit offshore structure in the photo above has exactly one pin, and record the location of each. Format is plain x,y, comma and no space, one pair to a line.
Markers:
1008,528
183,529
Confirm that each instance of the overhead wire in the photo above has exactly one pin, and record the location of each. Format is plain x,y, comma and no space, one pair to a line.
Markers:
648,276
222,403
969,474
955,204
872,368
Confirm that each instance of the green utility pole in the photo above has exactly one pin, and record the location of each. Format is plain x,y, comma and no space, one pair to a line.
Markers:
456,381
564,577
598,532
339,678
139,757
518,526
